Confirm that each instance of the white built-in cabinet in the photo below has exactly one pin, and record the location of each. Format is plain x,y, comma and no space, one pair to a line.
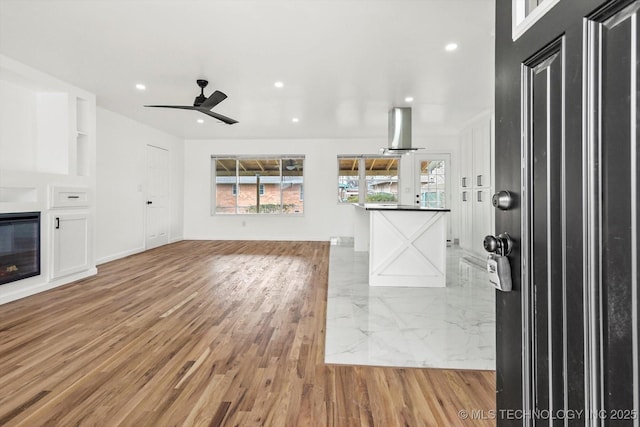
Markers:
71,231
71,244
476,183
47,165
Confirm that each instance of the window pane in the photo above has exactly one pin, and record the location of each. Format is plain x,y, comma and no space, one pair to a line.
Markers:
381,174
225,186
269,189
291,186
249,180
348,178
432,184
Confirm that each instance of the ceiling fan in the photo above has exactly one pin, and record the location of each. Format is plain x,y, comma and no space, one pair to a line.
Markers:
204,104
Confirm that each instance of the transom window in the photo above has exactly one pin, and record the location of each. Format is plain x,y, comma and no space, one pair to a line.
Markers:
257,185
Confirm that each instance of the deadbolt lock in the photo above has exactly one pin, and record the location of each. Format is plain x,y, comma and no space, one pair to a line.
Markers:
502,200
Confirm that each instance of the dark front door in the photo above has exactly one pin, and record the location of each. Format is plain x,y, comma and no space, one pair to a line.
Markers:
566,145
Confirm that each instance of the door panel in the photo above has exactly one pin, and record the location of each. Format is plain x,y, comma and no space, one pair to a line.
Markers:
543,224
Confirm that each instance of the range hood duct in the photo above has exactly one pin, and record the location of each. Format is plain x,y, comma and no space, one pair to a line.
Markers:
399,132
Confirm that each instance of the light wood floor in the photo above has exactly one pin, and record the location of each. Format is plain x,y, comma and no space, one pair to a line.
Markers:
208,333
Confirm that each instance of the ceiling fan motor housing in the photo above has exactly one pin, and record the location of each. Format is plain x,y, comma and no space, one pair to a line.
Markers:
200,98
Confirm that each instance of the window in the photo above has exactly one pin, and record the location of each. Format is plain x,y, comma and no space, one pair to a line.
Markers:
368,179
258,185
528,12
348,179
432,184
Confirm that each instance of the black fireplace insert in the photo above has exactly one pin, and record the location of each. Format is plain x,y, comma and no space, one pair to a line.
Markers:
19,246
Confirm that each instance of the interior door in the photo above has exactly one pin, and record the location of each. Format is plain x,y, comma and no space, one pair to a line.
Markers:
566,148
157,204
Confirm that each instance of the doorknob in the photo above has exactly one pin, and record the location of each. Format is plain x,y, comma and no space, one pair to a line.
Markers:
501,245
149,202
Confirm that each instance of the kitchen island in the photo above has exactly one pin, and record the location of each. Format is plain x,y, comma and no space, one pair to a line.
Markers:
406,244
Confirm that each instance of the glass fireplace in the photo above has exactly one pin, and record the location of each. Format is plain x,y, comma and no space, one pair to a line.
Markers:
19,246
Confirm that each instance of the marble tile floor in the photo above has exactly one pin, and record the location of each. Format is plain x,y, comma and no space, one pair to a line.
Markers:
451,327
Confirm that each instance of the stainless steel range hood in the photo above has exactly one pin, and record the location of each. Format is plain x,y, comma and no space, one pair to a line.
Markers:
399,132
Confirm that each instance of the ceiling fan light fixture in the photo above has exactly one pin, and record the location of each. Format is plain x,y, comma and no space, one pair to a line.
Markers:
291,165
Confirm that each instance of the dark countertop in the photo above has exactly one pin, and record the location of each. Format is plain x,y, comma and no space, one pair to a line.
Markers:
386,207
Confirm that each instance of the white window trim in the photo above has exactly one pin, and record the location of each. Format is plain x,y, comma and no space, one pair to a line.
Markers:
520,22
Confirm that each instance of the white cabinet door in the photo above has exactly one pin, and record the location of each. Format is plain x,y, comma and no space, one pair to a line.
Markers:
482,154
481,219
466,215
70,244
466,159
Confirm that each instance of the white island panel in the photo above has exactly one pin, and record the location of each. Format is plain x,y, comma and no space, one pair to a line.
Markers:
407,248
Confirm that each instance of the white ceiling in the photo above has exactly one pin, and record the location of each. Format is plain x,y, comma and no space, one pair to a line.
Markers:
344,63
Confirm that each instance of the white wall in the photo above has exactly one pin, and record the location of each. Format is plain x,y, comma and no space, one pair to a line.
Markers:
323,216
121,176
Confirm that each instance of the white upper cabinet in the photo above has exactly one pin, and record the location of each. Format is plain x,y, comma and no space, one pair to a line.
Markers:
482,154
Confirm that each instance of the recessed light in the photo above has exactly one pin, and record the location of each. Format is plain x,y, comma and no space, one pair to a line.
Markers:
200,121
408,99
140,86
279,84
451,47
295,120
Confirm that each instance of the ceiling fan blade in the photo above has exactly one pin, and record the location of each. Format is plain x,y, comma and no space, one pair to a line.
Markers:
216,98
220,117
182,107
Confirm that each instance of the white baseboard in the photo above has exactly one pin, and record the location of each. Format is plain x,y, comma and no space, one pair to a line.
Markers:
126,253
29,290
119,255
